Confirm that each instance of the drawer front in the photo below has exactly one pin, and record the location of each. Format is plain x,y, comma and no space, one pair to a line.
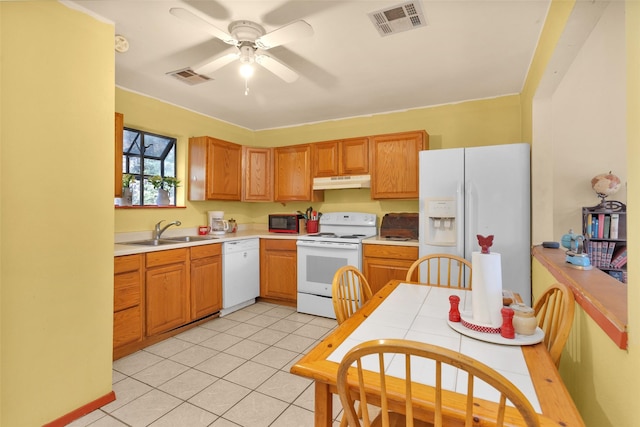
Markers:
171,256
205,251
391,251
122,264
278,244
127,326
127,290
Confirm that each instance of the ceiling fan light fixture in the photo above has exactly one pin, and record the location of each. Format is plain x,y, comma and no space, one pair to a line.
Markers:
246,70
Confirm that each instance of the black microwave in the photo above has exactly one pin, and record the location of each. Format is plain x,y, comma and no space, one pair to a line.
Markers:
286,223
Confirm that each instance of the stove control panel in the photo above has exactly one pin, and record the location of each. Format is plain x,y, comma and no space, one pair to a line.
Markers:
348,218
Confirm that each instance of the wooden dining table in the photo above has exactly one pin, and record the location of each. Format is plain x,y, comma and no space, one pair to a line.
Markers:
420,312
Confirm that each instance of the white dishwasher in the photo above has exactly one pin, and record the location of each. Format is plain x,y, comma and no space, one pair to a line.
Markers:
240,274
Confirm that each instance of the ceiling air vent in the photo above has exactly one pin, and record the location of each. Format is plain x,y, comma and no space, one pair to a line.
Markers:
403,17
188,76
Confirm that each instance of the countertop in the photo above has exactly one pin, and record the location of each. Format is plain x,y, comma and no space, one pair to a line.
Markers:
377,240
121,248
601,296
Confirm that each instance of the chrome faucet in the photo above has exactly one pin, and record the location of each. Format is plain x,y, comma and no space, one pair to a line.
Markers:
158,231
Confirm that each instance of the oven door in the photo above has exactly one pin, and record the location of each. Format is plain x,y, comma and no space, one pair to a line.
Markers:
319,261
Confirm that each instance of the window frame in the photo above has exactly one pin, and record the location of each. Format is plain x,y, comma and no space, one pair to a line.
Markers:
142,186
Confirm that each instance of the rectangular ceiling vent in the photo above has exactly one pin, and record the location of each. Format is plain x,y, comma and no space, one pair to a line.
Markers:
403,17
188,76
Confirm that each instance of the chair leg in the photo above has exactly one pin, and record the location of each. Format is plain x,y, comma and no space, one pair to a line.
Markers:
343,421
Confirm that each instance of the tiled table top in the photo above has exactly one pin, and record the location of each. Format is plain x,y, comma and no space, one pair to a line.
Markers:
420,313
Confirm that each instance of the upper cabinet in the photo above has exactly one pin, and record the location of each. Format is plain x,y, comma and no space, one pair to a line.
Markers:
292,174
395,164
341,157
258,174
215,169
119,131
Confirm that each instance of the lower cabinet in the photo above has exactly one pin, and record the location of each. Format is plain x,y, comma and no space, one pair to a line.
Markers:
158,292
167,290
381,263
278,269
206,280
128,304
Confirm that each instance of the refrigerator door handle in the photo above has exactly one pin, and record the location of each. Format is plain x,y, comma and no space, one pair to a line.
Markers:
470,226
460,219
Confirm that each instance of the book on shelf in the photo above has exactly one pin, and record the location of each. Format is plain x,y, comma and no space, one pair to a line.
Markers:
600,226
619,257
622,262
609,255
589,229
594,228
615,219
617,274
607,226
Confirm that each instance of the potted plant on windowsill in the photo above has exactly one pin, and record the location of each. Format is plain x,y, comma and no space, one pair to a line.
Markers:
163,185
127,196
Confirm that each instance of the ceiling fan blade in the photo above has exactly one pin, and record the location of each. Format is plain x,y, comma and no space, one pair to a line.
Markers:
215,63
285,34
198,22
277,68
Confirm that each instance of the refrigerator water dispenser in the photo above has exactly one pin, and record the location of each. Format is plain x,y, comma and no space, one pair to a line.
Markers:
441,222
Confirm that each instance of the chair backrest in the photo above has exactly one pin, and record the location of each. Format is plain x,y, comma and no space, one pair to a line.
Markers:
443,270
350,290
395,396
554,311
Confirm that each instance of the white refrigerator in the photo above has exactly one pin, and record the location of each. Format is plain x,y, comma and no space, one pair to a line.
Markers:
480,190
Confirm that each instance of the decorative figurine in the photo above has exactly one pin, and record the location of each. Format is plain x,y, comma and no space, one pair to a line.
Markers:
454,312
485,243
507,330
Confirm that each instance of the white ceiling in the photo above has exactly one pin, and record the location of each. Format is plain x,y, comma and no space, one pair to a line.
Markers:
469,49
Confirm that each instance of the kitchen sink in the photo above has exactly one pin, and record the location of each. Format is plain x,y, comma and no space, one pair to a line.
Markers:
170,240
189,238
151,242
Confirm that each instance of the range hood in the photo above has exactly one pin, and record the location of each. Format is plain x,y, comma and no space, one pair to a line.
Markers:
338,182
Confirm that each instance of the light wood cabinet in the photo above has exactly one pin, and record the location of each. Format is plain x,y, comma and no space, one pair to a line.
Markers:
206,280
119,131
381,263
128,305
258,174
292,174
215,169
341,157
395,164
167,290
278,269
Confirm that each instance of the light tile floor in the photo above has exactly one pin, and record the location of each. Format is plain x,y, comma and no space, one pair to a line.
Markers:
230,371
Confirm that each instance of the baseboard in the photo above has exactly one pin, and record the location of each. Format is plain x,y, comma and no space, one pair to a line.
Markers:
83,410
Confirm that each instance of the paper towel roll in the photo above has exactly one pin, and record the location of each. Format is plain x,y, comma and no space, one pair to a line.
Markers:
486,289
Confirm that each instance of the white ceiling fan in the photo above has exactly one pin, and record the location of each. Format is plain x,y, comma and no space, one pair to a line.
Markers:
251,41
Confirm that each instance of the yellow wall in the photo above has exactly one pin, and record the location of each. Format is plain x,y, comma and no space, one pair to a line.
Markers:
485,122
603,380
56,215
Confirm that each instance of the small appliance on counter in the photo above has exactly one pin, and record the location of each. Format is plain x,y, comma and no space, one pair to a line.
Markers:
400,226
286,223
218,225
576,255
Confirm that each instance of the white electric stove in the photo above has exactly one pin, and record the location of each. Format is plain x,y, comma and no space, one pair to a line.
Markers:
338,243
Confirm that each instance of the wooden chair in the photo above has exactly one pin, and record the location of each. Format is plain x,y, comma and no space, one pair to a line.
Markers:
554,311
377,388
350,290
442,266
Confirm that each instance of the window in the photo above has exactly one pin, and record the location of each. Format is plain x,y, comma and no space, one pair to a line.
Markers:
145,155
